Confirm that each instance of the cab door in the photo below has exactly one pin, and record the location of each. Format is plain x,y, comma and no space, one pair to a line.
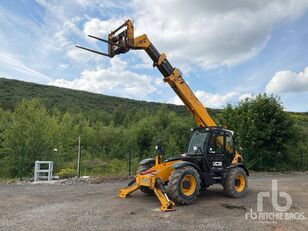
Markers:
230,148
216,151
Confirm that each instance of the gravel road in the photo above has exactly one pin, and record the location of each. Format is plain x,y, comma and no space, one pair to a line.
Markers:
96,207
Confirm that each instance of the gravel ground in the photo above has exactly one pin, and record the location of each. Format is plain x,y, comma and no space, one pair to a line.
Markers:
86,206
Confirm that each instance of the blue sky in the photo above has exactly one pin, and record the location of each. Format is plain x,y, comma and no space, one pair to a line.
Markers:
226,50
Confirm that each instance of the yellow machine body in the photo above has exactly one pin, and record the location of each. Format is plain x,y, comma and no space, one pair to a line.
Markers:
149,178
121,40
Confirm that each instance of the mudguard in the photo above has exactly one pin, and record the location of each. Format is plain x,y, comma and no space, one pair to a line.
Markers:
240,165
182,164
148,161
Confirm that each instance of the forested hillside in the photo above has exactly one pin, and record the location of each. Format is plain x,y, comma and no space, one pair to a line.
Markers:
74,101
43,123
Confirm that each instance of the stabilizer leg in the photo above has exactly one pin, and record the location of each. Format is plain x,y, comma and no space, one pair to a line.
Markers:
158,187
160,191
131,187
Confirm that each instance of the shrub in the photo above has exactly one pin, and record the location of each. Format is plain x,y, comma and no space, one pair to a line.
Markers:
66,173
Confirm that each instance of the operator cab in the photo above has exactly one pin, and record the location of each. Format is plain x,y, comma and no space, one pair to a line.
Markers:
214,145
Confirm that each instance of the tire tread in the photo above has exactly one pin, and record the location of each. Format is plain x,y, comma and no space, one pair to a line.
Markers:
174,184
229,183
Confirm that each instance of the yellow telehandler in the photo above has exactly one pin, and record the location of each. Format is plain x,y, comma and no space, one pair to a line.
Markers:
211,157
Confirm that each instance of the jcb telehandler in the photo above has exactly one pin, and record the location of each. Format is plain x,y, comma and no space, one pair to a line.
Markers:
211,157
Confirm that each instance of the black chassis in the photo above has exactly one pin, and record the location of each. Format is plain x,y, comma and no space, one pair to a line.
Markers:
205,161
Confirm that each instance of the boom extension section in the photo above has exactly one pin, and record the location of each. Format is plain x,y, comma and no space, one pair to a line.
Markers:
122,40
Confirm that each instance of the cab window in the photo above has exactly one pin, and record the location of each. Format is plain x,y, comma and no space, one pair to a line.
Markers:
197,139
216,144
229,144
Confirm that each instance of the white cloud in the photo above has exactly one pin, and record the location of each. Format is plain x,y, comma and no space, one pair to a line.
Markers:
14,64
288,81
245,96
115,80
64,66
212,33
64,30
213,100
81,56
99,27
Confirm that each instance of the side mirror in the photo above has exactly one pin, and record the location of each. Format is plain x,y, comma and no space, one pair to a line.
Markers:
197,148
159,149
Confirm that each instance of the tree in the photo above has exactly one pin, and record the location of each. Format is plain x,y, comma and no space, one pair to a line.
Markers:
262,129
31,137
144,135
5,123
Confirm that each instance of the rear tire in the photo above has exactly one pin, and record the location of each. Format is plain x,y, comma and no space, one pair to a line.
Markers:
236,184
144,189
184,185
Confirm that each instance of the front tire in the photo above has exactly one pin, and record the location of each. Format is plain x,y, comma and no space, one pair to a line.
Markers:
144,189
236,184
184,185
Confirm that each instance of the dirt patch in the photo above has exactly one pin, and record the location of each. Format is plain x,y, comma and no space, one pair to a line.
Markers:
228,206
